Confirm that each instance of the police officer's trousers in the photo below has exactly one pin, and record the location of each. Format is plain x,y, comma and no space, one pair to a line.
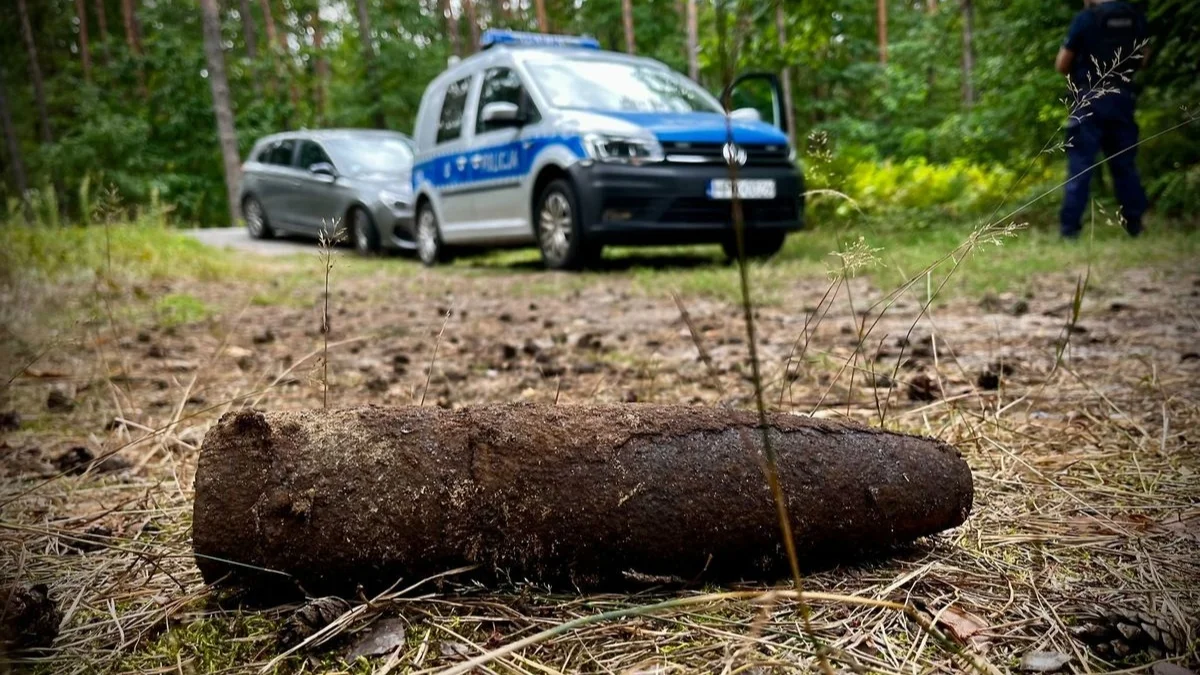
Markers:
1105,125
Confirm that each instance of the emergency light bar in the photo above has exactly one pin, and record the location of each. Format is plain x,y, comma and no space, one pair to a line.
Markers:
492,37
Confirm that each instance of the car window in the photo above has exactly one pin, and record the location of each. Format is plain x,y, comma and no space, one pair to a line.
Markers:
502,85
281,153
453,105
311,153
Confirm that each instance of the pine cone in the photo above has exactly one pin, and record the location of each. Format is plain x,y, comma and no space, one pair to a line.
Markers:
1120,633
29,618
316,614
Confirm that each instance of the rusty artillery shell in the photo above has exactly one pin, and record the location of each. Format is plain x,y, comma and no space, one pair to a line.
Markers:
564,495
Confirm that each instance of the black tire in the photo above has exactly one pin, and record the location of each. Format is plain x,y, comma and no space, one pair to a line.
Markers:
759,245
364,235
559,229
257,223
428,235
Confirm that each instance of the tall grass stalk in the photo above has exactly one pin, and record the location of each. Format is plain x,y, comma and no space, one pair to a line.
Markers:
326,243
770,466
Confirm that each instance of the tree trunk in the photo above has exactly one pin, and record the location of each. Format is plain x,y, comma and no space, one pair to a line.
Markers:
627,21
268,22
226,133
102,24
881,11
502,12
249,32
542,21
320,67
85,47
250,36
930,72
289,67
786,75
563,495
272,39
693,41
368,47
451,27
133,36
16,162
968,54
472,25
35,74
134,41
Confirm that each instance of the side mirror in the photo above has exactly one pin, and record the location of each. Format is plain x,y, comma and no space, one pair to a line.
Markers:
501,113
746,115
323,169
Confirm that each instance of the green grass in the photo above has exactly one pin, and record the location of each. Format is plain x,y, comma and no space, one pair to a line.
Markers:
211,644
177,309
903,247
137,252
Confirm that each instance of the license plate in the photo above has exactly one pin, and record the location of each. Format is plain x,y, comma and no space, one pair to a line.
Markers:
747,188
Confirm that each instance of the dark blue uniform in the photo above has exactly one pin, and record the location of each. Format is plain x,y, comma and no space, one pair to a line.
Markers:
1104,38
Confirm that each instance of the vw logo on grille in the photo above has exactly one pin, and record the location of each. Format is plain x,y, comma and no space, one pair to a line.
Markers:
734,154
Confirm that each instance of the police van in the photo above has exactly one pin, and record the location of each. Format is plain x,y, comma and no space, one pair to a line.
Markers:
549,140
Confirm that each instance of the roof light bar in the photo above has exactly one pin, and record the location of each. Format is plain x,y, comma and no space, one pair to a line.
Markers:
492,37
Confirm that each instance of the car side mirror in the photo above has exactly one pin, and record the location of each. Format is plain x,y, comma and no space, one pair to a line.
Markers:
323,169
746,115
502,113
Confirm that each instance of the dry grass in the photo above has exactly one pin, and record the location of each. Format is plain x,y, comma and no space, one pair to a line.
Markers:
1086,478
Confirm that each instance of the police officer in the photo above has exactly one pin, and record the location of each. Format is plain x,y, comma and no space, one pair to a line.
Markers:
1098,57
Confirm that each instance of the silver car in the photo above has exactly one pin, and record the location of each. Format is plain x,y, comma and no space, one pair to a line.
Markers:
311,182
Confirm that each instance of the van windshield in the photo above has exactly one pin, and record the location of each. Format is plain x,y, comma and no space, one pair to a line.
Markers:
620,86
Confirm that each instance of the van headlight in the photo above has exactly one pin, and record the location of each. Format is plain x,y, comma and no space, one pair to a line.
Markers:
395,200
622,149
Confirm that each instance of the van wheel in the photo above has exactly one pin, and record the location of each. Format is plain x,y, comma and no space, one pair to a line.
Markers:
366,236
256,219
559,231
759,245
430,248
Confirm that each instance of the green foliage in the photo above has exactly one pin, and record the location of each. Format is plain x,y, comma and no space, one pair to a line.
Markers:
854,181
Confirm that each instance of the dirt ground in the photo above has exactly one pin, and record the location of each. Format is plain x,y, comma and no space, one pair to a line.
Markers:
1080,430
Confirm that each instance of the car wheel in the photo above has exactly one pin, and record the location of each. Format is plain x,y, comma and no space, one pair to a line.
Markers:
430,248
559,231
759,245
256,219
366,236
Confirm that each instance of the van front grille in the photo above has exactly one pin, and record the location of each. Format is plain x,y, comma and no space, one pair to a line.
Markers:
757,154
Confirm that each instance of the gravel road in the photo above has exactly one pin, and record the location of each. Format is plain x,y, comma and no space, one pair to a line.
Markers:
238,239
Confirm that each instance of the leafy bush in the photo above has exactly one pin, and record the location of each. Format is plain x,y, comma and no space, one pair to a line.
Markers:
864,183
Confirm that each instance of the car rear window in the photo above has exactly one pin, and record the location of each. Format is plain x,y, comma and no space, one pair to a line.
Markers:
281,153
455,102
